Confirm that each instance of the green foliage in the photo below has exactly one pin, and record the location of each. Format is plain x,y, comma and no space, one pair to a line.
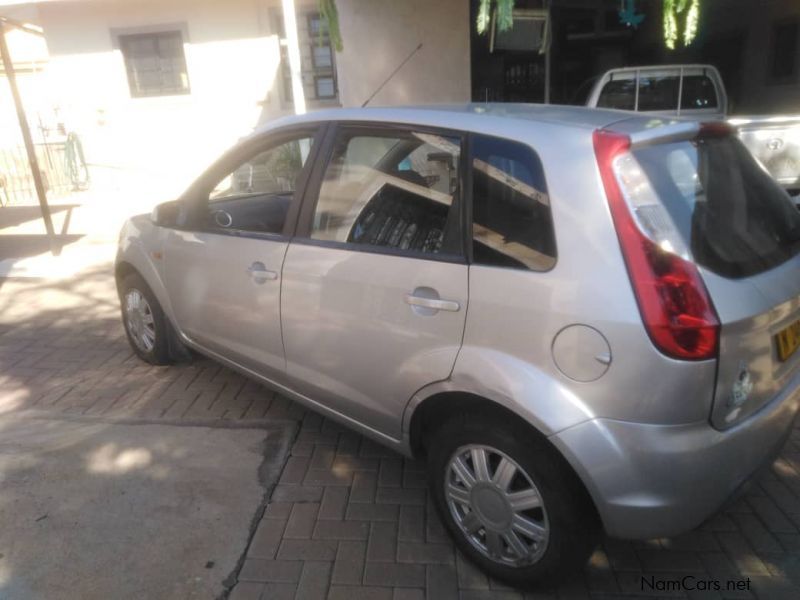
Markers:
330,15
681,19
505,16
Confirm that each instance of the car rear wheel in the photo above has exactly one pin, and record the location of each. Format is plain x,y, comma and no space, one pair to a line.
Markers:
510,500
145,324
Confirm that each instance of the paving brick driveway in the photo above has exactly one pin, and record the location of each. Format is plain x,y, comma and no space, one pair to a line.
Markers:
349,519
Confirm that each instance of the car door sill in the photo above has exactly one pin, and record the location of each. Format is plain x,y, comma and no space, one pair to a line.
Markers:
374,434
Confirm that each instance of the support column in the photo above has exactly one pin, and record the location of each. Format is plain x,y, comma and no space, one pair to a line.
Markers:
26,136
293,50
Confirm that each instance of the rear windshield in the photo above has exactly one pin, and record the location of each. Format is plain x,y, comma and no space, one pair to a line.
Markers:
658,92
735,219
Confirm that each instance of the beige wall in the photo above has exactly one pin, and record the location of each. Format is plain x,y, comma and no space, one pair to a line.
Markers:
379,34
233,58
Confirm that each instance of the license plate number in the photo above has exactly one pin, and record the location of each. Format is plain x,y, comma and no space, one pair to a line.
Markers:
788,340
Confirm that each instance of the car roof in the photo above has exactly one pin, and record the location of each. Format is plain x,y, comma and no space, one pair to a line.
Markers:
464,116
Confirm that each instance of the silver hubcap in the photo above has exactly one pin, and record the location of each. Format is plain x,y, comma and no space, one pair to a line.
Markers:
139,319
496,505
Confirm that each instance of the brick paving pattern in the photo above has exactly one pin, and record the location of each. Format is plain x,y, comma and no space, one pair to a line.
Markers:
349,519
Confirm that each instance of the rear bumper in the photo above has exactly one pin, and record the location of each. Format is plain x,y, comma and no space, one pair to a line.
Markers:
660,480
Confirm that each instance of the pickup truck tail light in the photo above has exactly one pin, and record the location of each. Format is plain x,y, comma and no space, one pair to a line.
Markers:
676,309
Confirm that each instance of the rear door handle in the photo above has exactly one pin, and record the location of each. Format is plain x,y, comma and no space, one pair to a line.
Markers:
260,273
433,303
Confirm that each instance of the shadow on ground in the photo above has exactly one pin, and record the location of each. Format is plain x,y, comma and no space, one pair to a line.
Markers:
347,517
120,479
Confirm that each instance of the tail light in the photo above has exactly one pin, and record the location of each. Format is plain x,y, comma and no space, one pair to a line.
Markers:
676,309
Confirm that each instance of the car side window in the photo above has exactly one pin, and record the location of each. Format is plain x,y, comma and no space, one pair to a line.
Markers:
394,190
511,221
256,195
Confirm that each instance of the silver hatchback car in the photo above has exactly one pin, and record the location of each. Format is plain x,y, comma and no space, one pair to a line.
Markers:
586,320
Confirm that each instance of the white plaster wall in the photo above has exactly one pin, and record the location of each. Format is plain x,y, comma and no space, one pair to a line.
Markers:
379,34
231,59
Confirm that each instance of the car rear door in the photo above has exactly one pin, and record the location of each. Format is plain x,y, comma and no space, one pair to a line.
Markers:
223,269
375,284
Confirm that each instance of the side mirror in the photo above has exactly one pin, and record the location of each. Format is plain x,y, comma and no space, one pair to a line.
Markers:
166,214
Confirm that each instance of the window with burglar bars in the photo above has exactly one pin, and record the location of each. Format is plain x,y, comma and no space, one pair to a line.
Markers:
318,69
155,63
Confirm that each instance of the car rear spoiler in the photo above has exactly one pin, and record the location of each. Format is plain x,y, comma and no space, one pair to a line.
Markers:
661,131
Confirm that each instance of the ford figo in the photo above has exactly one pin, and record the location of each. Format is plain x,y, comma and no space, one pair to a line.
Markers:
584,320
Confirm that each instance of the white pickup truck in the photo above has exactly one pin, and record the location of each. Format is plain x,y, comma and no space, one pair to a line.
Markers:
698,91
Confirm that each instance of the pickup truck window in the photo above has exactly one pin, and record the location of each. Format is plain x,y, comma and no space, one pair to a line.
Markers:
659,92
618,93
698,92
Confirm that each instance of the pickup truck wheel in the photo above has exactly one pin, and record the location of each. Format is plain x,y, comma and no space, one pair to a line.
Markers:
145,324
510,501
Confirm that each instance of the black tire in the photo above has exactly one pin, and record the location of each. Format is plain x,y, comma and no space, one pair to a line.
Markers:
573,527
159,353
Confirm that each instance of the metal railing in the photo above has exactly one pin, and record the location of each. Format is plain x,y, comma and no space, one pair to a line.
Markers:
16,182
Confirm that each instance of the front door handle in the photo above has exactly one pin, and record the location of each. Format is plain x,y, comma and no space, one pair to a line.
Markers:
433,303
260,273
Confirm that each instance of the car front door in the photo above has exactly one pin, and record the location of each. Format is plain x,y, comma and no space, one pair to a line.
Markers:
223,269
375,284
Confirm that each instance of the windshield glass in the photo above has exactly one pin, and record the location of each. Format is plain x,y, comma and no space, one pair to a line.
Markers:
735,219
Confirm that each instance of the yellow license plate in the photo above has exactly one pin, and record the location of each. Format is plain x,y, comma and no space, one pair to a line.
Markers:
788,340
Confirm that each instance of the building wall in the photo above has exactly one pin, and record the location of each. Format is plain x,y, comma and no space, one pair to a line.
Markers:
756,19
231,58
380,34
232,52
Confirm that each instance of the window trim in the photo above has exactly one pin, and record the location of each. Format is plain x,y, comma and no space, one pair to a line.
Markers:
468,239
795,76
195,200
316,71
311,196
180,28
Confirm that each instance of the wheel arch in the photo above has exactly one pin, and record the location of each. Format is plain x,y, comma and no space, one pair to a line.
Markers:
435,410
177,350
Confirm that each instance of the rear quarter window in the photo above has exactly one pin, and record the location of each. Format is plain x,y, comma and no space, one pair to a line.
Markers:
511,220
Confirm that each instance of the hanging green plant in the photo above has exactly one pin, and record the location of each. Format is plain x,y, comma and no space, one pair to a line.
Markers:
505,15
681,19
329,14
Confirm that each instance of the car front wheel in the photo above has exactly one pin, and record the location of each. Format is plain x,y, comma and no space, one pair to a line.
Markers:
145,324
510,501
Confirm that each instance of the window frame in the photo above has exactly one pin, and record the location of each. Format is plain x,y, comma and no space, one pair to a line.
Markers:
378,128
196,199
794,77
468,237
321,71
123,37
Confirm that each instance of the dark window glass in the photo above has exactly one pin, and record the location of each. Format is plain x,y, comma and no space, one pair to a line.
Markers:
317,60
735,219
658,93
618,93
784,51
394,190
698,92
155,63
511,225
256,195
